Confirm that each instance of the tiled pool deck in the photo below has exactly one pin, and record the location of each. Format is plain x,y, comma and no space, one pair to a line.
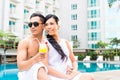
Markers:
107,75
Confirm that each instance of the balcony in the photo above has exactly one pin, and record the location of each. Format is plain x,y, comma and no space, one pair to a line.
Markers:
16,1
26,18
13,16
48,2
39,8
55,5
29,5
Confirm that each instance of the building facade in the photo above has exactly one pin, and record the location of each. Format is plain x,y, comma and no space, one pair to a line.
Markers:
89,21
15,14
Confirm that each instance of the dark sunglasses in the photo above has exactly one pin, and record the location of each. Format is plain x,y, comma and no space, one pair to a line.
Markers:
36,24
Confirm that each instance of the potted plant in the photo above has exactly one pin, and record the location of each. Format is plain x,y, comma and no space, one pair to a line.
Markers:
116,56
8,40
115,42
106,55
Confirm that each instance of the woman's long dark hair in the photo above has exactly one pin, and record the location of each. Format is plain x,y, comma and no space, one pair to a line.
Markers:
52,40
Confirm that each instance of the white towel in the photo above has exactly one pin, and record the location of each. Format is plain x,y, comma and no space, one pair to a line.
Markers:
31,74
56,78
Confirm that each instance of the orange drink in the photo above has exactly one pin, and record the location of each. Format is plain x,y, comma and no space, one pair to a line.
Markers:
43,49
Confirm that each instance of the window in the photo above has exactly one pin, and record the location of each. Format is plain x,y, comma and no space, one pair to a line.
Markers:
94,36
12,8
46,9
12,26
93,13
74,17
54,11
93,24
25,29
93,46
74,38
26,12
92,3
37,2
54,2
74,6
74,27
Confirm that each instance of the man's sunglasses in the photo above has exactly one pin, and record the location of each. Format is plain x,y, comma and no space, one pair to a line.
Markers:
36,24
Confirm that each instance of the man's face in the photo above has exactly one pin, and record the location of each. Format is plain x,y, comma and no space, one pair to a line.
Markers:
36,26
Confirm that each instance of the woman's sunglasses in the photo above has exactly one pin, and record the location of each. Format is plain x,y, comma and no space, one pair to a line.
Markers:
36,24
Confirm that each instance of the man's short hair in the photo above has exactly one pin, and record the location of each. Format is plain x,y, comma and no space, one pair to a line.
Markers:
42,18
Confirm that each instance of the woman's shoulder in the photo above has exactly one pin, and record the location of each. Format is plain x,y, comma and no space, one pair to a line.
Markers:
62,39
70,43
65,40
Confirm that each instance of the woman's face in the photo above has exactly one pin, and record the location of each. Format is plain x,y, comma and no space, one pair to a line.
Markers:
51,27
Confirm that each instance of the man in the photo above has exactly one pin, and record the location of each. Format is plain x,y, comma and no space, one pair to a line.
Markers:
31,66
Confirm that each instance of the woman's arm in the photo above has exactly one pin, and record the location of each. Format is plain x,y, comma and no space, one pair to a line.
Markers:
72,57
55,73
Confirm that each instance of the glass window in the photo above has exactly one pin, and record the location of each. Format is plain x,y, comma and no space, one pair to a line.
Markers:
93,46
54,11
74,38
54,2
12,8
12,5
46,9
25,29
74,6
93,24
74,17
94,36
12,26
37,2
92,3
26,12
93,13
74,27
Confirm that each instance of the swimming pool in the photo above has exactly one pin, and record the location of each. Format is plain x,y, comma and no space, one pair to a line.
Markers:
97,67
9,71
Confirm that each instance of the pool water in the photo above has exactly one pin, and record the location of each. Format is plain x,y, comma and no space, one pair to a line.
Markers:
97,67
9,71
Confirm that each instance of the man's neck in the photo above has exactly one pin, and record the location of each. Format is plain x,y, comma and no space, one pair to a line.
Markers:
39,38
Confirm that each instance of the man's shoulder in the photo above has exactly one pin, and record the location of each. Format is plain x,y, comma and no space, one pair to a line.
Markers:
24,40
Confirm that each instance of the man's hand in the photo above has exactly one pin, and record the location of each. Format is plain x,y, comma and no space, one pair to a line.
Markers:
39,58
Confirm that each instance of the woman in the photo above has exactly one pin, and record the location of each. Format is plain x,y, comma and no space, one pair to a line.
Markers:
62,64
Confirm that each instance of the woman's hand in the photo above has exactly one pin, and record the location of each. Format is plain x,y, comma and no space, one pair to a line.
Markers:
70,70
72,75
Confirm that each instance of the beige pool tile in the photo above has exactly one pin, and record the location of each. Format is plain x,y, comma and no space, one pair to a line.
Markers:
107,75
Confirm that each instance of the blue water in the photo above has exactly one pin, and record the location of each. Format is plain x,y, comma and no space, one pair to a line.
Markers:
97,67
9,71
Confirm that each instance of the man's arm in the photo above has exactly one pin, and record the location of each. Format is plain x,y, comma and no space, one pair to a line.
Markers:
22,62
